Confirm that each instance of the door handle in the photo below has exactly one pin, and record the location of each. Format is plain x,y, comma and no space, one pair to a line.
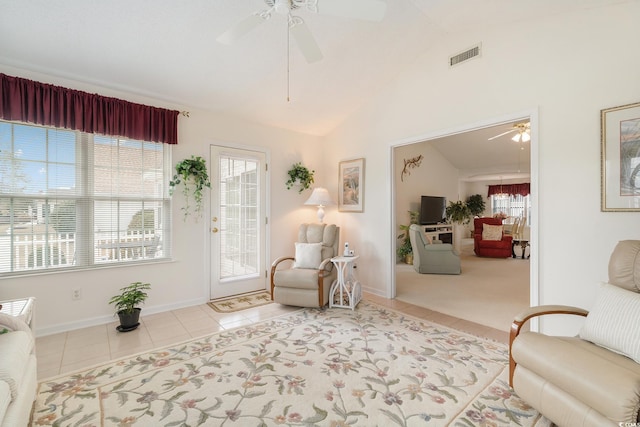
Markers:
214,230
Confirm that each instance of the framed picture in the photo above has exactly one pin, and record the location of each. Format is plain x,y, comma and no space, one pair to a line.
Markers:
620,152
351,181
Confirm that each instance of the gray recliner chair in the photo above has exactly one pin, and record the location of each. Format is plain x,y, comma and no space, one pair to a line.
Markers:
592,379
305,279
432,258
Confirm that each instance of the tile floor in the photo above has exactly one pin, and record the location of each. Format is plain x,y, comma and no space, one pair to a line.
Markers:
70,351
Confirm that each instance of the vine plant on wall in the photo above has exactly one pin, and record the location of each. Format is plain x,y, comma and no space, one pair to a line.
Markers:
301,174
192,173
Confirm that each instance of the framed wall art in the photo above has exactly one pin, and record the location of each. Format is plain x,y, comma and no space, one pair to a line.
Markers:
351,181
620,152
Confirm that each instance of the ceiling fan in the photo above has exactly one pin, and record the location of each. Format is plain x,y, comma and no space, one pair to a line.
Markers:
368,10
523,135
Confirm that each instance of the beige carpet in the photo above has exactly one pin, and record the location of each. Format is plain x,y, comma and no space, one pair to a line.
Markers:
490,291
333,367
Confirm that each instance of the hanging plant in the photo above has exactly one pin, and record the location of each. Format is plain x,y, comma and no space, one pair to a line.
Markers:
193,174
300,173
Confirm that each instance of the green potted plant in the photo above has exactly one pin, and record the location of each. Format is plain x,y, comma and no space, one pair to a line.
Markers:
476,204
404,251
193,174
126,304
458,212
301,174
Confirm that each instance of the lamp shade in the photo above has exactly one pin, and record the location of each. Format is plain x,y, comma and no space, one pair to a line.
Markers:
320,197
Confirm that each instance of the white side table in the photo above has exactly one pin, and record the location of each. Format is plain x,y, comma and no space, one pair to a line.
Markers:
346,288
21,308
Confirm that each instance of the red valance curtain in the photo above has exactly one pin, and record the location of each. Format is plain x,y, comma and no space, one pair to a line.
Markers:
511,189
44,104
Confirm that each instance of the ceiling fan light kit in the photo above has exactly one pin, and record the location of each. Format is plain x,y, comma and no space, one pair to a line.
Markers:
368,10
523,132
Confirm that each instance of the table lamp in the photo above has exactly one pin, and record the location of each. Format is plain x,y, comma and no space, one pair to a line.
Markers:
320,198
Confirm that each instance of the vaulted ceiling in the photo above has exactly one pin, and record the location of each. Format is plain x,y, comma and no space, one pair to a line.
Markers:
167,49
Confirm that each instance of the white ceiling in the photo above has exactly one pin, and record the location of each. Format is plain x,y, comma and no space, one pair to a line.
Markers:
166,49
480,156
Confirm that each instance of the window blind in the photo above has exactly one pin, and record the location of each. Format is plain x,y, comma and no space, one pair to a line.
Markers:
70,199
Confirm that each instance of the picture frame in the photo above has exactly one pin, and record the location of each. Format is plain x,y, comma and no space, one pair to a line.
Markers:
351,185
620,155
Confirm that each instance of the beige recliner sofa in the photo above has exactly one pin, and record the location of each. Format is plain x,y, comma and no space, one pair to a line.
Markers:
585,380
304,280
18,380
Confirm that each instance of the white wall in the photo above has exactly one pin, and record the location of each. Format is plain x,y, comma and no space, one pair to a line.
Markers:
184,281
434,177
567,68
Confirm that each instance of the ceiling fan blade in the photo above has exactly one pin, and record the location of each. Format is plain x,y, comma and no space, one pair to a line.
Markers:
240,29
503,133
367,10
305,41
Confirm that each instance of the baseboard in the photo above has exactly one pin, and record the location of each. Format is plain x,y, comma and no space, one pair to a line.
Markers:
102,320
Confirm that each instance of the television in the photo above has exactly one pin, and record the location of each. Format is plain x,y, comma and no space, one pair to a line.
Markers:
432,210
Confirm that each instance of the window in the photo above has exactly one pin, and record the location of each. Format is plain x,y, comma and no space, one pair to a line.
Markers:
239,211
511,205
70,199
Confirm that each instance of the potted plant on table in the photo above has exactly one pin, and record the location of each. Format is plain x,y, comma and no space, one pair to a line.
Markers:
127,305
459,214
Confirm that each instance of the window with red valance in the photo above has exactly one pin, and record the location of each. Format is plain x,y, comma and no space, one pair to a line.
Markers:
511,189
44,104
83,179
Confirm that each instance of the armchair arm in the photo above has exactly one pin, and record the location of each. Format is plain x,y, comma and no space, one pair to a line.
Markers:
274,267
531,312
281,259
323,265
11,323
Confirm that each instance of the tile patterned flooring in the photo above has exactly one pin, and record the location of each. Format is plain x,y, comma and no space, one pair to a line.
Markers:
82,348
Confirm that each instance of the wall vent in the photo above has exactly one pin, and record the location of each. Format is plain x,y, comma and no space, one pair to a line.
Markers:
468,54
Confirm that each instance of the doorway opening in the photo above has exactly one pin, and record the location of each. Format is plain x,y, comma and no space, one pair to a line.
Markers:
453,167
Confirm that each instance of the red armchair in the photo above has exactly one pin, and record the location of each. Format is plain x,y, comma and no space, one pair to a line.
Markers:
490,248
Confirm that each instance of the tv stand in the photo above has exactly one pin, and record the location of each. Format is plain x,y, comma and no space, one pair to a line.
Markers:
442,232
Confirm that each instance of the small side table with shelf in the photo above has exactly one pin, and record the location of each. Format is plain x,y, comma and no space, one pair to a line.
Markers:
346,291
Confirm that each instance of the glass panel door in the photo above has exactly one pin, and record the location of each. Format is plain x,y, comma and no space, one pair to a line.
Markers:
237,221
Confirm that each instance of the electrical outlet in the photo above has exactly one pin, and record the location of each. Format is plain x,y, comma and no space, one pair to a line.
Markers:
76,294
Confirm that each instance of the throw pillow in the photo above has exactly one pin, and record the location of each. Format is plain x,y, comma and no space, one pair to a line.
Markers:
308,255
613,321
491,232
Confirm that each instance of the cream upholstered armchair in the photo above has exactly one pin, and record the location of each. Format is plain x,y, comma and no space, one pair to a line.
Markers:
592,379
304,280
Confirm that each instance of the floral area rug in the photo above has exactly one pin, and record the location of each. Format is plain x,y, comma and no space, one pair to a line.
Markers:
241,302
331,367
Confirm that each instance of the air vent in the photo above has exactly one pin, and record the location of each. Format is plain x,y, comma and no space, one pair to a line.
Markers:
474,52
